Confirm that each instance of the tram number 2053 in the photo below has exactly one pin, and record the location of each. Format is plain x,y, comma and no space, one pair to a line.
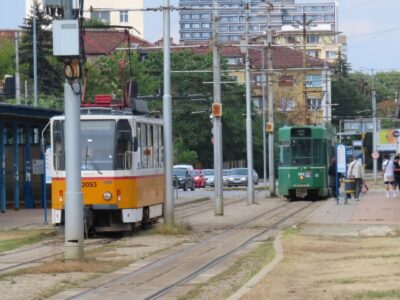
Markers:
90,184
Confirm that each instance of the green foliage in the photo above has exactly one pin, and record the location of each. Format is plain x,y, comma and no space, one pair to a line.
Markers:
94,23
7,53
183,155
192,99
50,70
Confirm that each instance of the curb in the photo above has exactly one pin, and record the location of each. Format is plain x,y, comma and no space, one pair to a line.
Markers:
249,285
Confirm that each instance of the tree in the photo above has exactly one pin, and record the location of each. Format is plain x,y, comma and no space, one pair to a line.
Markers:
7,53
50,70
192,99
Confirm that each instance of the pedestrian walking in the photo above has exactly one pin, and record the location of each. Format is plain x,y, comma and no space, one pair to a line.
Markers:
356,171
388,175
396,163
332,170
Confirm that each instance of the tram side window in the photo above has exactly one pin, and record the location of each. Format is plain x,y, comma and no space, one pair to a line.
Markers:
284,153
156,153
161,150
124,147
58,146
149,149
143,146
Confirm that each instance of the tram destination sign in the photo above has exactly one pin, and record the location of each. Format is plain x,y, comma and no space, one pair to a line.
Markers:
341,158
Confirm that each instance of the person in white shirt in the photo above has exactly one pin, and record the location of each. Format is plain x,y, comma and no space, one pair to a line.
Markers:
388,175
356,171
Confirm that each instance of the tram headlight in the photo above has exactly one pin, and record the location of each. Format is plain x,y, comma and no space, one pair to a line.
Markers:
107,196
301,177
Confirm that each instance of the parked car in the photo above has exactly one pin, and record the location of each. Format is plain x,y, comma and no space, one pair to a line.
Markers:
187,167
238,176
209,176
184,179
225,175
198,177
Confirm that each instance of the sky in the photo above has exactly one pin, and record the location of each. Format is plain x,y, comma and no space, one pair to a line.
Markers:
372,28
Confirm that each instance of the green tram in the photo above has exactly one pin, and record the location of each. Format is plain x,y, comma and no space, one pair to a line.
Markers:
304,157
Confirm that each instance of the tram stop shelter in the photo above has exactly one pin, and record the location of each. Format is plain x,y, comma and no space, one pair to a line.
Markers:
21,133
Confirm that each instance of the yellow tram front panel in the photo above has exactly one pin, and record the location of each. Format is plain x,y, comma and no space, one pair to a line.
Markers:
124,192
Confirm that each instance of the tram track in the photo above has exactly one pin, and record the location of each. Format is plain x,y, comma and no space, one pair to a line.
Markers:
173,261
17,259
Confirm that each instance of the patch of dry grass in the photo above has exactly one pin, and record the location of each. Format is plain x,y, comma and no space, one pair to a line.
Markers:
176,229
329,267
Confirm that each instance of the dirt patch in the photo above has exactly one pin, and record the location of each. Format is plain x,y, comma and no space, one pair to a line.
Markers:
331,267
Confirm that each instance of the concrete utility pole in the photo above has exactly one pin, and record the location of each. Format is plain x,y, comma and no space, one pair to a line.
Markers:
217,125
34,42
374,130
167,116
271,154
74,224
264,136
17,77
249,140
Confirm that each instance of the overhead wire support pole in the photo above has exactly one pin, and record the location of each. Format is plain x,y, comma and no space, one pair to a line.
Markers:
249,140
35,83
217,124
271,136
169,204
74,216
17,76
374,130
264,137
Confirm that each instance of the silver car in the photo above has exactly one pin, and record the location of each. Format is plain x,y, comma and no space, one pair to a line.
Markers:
209,176
238,176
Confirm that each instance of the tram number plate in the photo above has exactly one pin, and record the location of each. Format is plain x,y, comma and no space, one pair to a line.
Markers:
301,193
90,184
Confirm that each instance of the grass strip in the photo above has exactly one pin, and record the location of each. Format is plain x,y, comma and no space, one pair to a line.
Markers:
228,282
24,238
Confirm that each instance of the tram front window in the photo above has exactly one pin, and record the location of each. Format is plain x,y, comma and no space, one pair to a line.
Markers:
301,152
97,144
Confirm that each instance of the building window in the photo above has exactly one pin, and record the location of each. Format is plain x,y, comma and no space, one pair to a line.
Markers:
195,34
195,17
331,55
206,34
312,53
313,39
205,16
196,25
123,16
329,17
206,25
314,104
103,16
185,35
185,17
314,81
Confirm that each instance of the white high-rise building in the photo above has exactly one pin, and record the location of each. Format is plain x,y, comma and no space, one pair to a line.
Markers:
120,13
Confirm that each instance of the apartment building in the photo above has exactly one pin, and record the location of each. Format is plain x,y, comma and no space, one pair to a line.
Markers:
118,13
196,22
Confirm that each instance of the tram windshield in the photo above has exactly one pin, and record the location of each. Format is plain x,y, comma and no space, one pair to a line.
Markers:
97,144
299,152
105,145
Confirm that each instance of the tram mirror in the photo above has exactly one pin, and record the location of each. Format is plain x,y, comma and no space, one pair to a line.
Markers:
135,144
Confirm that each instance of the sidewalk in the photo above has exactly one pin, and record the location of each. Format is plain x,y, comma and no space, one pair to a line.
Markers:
373,208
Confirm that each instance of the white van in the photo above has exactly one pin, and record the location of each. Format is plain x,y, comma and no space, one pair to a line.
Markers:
187,167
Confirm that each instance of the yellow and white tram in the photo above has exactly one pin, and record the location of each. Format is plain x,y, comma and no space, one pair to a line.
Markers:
122,168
